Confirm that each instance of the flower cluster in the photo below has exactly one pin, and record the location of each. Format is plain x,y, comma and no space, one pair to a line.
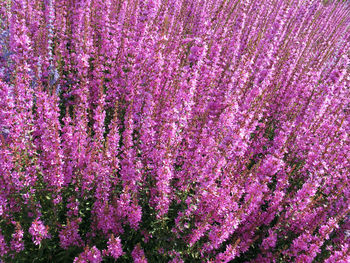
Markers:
38,231
17,243
114,247
3,246
175,130
138,255
90,255
69,235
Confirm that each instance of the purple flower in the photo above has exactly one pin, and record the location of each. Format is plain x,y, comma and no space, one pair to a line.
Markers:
3,246
138,255
17,243
38,231
90,255
114,247
69,235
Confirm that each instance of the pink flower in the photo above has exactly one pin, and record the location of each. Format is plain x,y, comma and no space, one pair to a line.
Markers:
114,247
3,246
17,243
38,231
270,241
90,255
219,119
138,254
69,235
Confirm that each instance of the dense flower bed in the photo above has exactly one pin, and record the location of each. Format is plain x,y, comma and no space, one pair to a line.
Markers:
174,131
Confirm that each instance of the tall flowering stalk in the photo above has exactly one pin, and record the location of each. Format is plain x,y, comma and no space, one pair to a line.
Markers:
174,131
